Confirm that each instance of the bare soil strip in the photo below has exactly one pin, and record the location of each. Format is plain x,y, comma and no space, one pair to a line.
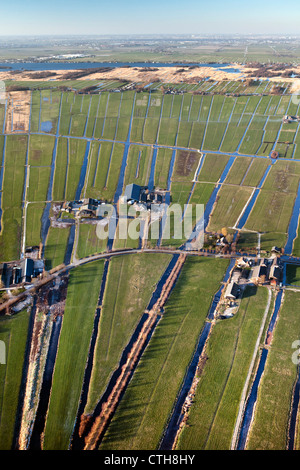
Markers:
18,111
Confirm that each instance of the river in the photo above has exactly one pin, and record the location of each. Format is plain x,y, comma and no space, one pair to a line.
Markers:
43,66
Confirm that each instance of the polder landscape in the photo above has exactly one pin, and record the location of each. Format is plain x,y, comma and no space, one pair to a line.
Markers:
150,343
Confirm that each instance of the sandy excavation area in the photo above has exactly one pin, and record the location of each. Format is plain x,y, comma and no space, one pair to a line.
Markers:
145,74
18,111
294,81
169,74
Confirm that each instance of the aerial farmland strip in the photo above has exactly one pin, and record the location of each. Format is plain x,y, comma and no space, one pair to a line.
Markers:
277,360
171,333
72,354
133,352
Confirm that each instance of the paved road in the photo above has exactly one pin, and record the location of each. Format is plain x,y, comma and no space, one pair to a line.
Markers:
78,262
105,255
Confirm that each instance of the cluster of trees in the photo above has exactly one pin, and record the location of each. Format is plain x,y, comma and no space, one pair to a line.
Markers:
74,75
148,69
41,75
277,90
263,70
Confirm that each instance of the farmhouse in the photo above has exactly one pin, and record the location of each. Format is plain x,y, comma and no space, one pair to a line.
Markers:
88,206
275,272
288,118
21,272
135,194
236,275
243,262
232,291
267,271
259,273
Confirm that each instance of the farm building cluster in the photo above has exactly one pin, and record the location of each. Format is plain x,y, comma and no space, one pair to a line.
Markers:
287,118
261,272
141,196
21,272
87,207
264,271
134,194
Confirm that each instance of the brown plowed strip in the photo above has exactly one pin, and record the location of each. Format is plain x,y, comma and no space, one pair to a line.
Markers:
18,111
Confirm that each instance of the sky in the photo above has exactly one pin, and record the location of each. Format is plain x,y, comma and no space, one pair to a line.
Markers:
57,17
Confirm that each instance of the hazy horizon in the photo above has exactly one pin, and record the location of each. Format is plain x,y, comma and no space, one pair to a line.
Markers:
152,35
32,18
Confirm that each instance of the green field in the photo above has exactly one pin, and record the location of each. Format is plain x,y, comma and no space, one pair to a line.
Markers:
55,248
88,242
165,360
13,331
130,282
91,138
231,201
13,182
81,303
227,359
270,427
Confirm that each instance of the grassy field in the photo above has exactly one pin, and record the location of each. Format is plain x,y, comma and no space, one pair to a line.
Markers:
33,223
165,360
227,359
162,167
139,165
104,169
231,200
198,196
130,282
56,245
88,242
45,110
76,154
40,150
13,331
39,178
12,195
81,303
185,166
81,138
273,208
269,429
238,170
126,240
212,168
255,172
272,212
